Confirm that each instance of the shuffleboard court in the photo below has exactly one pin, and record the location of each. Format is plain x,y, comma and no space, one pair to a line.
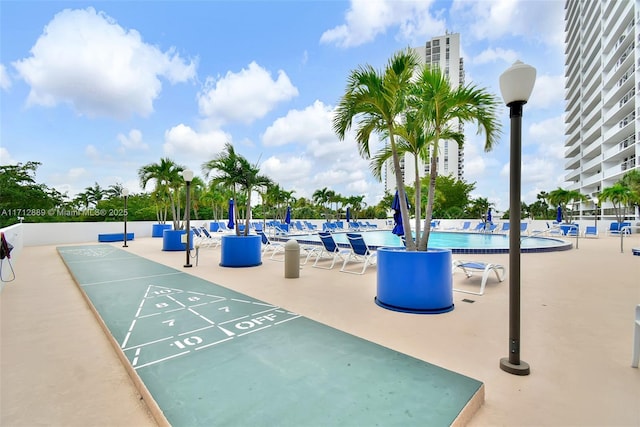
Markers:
212,356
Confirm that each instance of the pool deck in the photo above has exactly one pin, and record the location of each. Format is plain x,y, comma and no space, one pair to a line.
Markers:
58,367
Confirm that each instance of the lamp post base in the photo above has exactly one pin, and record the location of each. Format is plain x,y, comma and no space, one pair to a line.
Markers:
520,369
187,265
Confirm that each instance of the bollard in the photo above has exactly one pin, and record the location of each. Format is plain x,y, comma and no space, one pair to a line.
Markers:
291,259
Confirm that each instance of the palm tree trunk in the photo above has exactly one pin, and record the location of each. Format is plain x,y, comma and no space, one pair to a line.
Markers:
433,174
418,200
404,212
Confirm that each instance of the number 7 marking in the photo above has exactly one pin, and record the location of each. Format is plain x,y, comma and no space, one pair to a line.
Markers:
170,322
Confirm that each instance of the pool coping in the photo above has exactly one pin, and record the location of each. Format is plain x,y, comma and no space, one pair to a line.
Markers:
561,245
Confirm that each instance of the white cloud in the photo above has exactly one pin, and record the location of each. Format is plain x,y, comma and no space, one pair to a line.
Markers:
540,20
85,59
5,157
498,54
5,80
548,135
132,141
183,141
366,19
548,92
314,123
244,96
287,169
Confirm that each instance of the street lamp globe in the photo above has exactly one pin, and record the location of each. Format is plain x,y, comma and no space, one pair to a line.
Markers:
187,174
516,83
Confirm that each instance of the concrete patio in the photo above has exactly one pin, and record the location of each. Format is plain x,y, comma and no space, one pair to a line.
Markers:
58,367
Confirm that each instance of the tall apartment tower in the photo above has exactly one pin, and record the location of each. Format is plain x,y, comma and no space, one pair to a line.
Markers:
602,101
443,52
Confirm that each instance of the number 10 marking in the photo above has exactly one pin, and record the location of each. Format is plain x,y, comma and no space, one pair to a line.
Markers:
190,341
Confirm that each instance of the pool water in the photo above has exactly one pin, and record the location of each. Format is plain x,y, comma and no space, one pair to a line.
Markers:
456,241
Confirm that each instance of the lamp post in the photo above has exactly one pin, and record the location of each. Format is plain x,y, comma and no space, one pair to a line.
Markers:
516,84
125,193
595,212
187,174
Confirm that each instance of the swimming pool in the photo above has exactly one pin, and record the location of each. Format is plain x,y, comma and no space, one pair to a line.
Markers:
459,243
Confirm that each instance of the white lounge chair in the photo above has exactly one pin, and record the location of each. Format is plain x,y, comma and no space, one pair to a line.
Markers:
468,267
268,245
330,249
360,252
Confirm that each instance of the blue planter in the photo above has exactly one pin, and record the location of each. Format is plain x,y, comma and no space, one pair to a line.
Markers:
172,240
241,251
415,282
158,229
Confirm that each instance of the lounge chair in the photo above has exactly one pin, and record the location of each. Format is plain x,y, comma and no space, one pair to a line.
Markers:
200,240
468,267
268,245
465,226
636,340
553,231
479,227
505,227
371,225
329,226
615,228
353,225
330,249
310,226
590,231
360,252
211,239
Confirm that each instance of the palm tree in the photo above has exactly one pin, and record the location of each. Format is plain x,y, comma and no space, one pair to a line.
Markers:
620,196
561,197
377,99
321,197
233,170
215,197
114,191
420,112
442,109
94,194
168,181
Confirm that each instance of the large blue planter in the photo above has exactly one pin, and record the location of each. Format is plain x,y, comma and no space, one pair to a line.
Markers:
157,230
415,282
172,240
241,251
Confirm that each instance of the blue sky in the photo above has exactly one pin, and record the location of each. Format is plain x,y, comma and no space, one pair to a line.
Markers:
95,90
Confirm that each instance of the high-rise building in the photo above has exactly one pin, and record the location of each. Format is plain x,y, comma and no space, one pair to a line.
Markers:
443,52
602,87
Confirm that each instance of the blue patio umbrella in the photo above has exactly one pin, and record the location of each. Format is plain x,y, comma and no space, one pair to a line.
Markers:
559,215
398,228
348,215
230,224
489,219
287,218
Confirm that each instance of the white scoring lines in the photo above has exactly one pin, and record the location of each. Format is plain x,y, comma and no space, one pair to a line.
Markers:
169,300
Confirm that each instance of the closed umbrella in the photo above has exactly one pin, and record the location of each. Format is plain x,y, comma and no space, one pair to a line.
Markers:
287,217
348,215
398,228
230,224
559,215
489,219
